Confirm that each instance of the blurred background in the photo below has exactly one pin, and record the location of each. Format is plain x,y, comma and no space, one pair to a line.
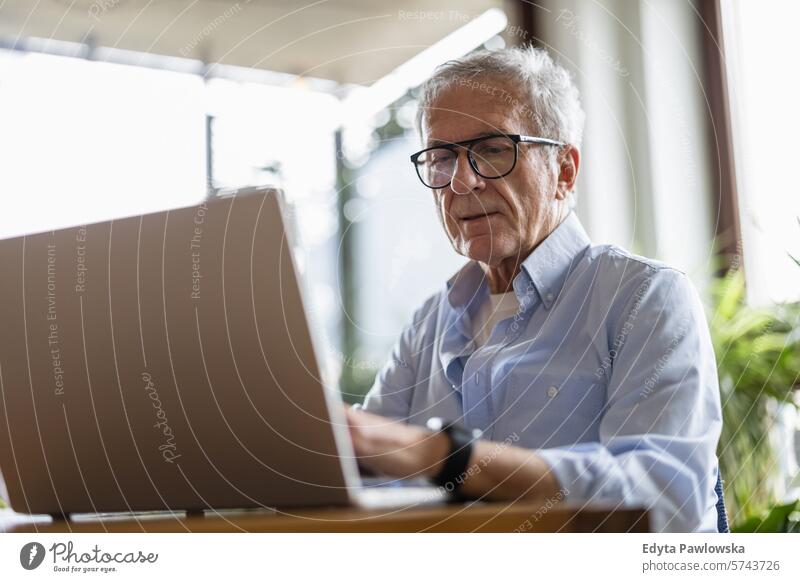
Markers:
110,108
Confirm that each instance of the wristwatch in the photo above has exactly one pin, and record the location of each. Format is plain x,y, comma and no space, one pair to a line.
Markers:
456,463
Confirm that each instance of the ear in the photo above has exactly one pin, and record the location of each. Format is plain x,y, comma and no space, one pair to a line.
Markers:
569,162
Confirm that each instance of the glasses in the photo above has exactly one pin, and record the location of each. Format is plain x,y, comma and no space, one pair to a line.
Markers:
491,157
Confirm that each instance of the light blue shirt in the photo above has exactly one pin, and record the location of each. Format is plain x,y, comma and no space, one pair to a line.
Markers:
607,371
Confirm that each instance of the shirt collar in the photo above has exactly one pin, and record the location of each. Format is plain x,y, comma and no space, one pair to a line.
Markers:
546,268
550,263
467,285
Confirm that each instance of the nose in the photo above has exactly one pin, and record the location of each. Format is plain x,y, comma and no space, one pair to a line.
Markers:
465,180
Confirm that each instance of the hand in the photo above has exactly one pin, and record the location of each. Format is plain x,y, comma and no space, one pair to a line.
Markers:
389,447
504,471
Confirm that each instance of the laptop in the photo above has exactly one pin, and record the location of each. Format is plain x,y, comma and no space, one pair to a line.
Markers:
166,362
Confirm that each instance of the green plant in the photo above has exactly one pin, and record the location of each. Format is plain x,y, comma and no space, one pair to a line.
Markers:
784,518
758,358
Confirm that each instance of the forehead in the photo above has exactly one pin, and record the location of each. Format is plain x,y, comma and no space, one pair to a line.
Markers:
473,107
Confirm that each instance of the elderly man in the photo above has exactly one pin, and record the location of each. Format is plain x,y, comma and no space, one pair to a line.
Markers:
560,370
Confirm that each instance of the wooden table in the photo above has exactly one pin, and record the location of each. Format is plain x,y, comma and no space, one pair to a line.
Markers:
470,517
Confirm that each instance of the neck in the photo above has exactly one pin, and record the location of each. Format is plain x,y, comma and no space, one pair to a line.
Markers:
501,276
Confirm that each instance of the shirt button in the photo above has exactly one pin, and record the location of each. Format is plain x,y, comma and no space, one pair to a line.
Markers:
549,296
552,391
477,377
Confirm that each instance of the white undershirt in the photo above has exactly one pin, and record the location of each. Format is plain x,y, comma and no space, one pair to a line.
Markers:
499,307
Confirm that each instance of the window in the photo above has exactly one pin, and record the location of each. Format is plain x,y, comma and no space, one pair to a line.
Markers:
84,141
760,37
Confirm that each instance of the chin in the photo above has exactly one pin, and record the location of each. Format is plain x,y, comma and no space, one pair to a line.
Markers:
486,249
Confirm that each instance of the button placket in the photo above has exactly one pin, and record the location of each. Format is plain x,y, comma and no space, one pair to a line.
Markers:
478,402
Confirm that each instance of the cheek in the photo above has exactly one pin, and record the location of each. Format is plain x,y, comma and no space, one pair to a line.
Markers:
525,199
514,198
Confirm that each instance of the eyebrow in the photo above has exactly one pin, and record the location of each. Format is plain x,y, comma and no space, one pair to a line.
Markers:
436,142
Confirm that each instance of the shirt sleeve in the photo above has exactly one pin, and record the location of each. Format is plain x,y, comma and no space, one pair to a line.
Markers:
391,392
662,421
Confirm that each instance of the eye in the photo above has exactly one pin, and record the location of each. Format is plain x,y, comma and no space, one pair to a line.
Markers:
493,148
440,156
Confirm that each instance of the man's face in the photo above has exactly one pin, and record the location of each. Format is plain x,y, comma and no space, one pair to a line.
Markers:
502,220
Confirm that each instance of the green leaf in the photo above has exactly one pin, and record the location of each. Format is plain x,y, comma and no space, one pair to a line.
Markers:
730,292
771,342
774,520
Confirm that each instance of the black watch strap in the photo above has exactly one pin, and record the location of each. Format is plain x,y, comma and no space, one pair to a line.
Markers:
456,463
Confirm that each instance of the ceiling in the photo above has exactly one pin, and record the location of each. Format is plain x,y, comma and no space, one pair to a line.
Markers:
349,41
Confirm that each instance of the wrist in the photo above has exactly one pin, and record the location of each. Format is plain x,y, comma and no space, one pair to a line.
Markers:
435,447
458,456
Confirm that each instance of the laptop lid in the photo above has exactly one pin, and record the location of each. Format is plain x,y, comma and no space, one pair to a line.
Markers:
164,361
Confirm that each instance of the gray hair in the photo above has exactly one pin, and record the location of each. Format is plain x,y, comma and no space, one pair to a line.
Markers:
551,99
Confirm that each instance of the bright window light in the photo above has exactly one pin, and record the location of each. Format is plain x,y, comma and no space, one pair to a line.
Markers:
760,39
84,141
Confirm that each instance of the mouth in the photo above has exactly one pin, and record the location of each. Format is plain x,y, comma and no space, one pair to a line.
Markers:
475,217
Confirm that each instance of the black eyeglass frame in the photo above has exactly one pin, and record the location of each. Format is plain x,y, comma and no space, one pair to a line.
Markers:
468,143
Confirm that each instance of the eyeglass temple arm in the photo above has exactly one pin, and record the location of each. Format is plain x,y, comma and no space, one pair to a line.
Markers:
542,140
